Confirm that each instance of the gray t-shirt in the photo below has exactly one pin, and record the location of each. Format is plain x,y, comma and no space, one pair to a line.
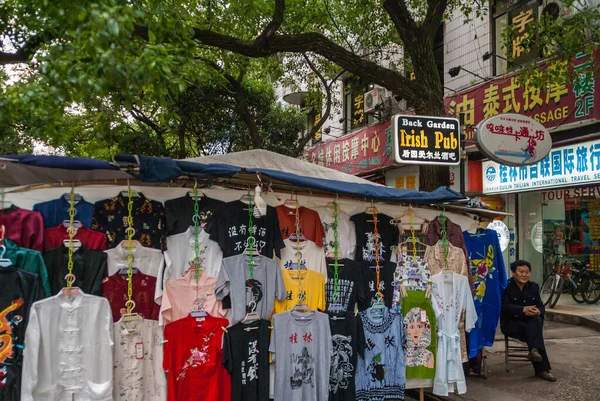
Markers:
301,348
234,280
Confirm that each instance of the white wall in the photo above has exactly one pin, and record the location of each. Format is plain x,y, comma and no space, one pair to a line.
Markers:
464,45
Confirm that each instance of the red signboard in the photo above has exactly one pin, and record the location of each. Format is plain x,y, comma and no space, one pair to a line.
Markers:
554,106
363,151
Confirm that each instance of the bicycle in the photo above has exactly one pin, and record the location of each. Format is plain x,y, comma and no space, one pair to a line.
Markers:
572,273
591,295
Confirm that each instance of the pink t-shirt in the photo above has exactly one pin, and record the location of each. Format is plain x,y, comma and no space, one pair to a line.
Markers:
179,295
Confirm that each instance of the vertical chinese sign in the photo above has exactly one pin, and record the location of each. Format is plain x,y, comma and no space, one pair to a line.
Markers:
520,19
363,151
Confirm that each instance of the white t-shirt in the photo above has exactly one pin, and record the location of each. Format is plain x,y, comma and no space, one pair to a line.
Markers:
346,233
181,252
313,256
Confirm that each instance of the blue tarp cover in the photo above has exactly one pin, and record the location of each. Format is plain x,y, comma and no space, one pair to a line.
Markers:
164,169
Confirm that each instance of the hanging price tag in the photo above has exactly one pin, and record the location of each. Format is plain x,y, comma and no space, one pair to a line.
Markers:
139,350
423,315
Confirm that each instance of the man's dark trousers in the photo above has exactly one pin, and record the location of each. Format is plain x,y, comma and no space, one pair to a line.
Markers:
530,331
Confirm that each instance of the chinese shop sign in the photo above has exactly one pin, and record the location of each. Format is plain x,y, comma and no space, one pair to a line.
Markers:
520,18
426,140
557,105
513,139
363,151
564,166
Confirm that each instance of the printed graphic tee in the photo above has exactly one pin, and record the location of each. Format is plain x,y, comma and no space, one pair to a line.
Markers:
310,223
350,286
193,360
346,233
388,236
308,284
312,258
420,335
246,358
369,286
231,231
347,337
180,211
266,285
301,349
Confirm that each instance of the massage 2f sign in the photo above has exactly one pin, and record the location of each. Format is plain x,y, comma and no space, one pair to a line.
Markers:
426,140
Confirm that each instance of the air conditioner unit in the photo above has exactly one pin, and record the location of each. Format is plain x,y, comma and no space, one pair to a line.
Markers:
374,98
558,9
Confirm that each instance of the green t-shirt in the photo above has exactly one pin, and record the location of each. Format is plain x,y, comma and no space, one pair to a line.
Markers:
29,260
420,335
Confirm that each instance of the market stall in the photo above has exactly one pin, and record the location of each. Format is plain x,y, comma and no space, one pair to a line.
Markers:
231,248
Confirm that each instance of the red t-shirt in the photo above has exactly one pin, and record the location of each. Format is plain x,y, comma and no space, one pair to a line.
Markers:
53,238
114,288
193,355
310,223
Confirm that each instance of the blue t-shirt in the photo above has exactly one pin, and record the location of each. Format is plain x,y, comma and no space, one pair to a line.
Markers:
489,279
56,211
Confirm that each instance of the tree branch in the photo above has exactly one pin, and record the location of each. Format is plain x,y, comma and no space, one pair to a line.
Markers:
25,53
433,19
141,117
278,14
402,20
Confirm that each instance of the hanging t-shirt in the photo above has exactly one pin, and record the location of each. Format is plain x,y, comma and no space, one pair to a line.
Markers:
89,268
365,237
69,348
309,285
349,285
180,294
193,359
420,335
28,260
110,218
381,373
310,223
138,360
347,336
230,230
266,286
149,261
114,288
54,237
20,289
489,279
412,273
180,212
181,252
301,348
346,233
369,284
54,212
246,358
25,227
312,258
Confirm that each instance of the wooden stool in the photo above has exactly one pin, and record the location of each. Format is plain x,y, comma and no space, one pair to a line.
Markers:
517,352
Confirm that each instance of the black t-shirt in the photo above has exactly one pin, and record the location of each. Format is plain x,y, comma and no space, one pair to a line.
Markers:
110,218
179,212
349,285
20,289
347,336
369,279
89,268
230,230
365,240
246,358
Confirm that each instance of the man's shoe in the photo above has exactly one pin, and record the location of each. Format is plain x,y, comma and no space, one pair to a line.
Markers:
534,356
546,376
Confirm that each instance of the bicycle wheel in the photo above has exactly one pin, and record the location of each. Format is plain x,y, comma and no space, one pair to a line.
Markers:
557,291
579,287
592,294
547,290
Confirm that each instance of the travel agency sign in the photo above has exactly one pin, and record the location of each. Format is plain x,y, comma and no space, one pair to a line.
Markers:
426,140
513,139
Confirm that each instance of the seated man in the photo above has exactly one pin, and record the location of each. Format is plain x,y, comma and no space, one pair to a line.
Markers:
522,316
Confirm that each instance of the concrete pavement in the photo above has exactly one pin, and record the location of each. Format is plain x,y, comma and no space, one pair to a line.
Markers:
574,353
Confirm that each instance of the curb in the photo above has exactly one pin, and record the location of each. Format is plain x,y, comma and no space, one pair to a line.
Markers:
573,319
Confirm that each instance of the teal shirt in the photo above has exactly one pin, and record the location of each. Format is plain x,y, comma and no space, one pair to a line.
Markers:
28,260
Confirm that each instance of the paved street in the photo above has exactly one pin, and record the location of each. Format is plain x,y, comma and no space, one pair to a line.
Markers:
574,353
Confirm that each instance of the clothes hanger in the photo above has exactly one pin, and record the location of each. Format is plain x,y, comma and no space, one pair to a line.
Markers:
126,244
4,262
69,290
292,204
371,209
251,316
131,316
130,191
409,212
198,309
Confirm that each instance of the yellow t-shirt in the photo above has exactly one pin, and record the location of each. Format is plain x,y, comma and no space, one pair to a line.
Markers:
310,282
